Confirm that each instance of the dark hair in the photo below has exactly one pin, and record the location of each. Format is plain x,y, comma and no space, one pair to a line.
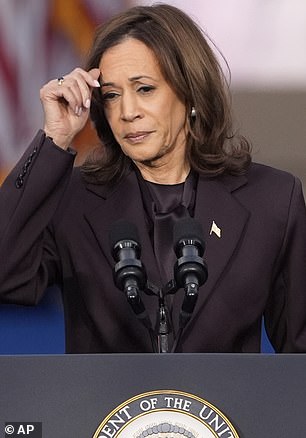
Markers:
191,68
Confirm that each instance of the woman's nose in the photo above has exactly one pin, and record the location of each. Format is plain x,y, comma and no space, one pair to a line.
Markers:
129,108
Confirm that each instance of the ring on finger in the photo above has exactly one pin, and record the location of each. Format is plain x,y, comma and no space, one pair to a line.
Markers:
60,80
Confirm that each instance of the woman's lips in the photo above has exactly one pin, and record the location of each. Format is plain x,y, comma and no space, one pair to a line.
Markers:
137,137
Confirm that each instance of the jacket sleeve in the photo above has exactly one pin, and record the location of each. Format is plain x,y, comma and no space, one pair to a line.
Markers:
285,316
28,199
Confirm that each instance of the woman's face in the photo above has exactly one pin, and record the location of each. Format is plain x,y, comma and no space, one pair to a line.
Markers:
147,118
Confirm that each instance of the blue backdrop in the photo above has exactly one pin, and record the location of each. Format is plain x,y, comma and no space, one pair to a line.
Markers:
33,330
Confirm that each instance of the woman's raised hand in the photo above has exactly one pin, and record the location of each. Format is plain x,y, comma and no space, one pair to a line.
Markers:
66,103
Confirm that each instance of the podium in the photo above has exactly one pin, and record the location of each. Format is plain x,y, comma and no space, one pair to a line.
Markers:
262,395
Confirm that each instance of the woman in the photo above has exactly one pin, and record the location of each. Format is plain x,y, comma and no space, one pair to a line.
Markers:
158,100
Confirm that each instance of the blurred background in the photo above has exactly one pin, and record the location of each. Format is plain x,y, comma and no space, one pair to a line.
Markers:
263,42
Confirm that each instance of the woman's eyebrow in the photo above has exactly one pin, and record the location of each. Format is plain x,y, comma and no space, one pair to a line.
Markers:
131,79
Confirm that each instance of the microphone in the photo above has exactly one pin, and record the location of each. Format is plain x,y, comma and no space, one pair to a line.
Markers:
129,273
190,270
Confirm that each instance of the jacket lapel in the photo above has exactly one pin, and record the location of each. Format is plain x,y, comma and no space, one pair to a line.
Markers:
224,221
123,201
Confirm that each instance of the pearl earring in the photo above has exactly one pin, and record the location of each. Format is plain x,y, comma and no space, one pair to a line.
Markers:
193,112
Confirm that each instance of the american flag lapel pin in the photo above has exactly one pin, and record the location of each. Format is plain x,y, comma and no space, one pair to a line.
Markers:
215,230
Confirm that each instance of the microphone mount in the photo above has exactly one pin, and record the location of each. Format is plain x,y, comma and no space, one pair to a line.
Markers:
190,272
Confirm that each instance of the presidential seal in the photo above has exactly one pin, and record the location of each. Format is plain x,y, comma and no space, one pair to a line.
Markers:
166,414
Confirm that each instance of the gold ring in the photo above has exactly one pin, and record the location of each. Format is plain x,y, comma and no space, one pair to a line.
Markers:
60,80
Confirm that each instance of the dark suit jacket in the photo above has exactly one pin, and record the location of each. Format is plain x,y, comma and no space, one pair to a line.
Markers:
55,227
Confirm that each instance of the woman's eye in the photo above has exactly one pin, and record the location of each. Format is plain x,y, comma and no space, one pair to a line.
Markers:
109,96
146,89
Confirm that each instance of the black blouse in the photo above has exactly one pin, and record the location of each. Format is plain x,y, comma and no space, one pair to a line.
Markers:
165,204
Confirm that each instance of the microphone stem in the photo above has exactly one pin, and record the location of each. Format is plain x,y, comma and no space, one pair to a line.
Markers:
163,345
163,326
191,296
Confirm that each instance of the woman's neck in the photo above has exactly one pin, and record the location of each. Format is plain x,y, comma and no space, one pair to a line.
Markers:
164,174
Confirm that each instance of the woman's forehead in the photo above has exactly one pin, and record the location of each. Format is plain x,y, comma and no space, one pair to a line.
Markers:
132,58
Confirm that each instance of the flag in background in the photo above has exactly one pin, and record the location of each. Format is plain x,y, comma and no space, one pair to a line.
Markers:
39,41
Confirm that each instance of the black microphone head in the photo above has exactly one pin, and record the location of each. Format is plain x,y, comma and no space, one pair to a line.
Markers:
123,230
188,230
